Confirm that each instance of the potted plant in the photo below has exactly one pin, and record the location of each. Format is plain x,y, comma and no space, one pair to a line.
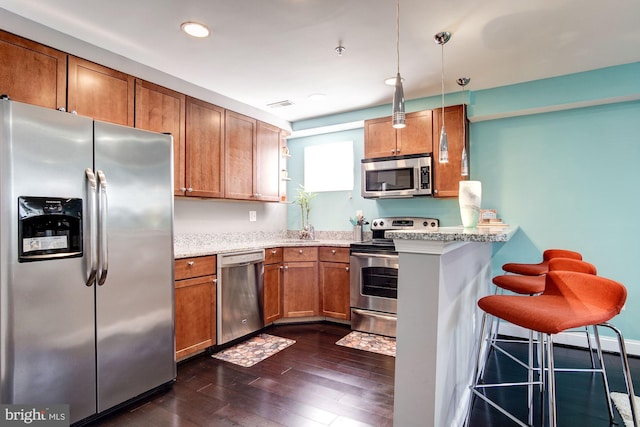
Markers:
303,199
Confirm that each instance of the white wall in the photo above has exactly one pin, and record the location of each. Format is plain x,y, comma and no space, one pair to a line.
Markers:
224,216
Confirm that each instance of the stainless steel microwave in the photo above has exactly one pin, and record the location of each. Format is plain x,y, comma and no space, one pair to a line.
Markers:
396,177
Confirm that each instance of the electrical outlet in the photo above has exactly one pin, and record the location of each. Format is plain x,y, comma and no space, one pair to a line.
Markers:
252,216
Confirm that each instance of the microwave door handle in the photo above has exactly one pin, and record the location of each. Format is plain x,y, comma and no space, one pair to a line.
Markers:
102,227
91,246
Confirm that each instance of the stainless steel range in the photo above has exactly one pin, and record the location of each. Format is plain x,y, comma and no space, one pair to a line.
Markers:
374,275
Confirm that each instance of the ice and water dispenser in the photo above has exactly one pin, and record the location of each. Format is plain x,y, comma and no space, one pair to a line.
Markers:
49,228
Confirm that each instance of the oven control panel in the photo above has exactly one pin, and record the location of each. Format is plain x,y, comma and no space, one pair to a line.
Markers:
404,223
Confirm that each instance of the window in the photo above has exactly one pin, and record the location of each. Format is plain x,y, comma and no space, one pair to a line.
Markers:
329,167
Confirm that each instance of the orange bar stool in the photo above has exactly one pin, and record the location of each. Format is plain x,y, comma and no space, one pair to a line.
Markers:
533,285
541,267
570,300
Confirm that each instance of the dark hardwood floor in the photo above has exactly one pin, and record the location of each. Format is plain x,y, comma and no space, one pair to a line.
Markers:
311,383
580,396
317,383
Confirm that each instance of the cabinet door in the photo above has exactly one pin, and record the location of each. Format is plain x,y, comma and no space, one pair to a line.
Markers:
159,109
379,138
272,296
32,73
268,162
334,290
100,92
195,305
417,136
240,152
204,149
446,176
300,280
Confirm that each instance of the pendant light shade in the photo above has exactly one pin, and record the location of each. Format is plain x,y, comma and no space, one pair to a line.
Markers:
464,162
443,146
398,104
397,112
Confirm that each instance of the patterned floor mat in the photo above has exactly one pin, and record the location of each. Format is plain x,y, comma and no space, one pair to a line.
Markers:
254,350
370,342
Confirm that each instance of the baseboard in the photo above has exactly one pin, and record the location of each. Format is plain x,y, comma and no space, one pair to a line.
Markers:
575,339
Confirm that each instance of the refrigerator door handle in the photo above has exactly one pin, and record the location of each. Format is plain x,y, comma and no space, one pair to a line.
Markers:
102,224
92,251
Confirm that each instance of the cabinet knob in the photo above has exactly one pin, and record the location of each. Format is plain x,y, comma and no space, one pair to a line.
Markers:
286,267
300,251
191,263
333,251
281,268
183,189
346,268
398,151
393,151
214,280
274,251
189,189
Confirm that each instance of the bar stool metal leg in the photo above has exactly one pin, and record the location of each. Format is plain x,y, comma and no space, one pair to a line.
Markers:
551,382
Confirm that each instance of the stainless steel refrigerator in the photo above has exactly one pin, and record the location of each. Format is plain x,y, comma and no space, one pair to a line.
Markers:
86,261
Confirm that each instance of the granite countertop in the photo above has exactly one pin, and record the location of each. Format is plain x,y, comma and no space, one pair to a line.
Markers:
190,245
458,234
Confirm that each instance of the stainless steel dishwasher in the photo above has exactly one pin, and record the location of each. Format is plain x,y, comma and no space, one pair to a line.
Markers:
239,289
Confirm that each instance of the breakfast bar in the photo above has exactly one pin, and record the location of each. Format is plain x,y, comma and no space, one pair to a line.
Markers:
443,273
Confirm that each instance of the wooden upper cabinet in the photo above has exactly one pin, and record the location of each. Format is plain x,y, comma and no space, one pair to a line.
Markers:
32,73
100,92
381,139
446,176
268,163
159,109
240,154
416,137
204,149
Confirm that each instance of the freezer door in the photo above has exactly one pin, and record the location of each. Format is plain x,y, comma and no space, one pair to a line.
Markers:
134,306
47,348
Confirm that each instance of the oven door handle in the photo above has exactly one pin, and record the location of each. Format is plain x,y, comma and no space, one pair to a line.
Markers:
371,313
374,255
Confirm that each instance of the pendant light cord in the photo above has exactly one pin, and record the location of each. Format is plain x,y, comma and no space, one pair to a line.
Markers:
398,34
442,80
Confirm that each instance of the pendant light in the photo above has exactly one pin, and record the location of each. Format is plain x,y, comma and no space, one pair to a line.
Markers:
398,94
443,147
464,162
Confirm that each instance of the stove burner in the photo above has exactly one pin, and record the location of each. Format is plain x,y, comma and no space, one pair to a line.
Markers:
379,243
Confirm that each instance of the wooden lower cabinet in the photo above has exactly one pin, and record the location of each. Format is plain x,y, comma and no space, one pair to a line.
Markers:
334,283
195,305
300,282
272,291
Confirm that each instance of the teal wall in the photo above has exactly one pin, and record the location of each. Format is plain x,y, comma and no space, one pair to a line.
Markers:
569,177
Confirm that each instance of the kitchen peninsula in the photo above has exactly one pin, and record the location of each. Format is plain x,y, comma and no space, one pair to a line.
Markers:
443,274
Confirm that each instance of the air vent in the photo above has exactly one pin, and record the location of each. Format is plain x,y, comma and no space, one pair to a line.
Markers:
279,104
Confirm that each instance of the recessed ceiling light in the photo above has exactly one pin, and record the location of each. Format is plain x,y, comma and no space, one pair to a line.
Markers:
317,96
391,81
195,29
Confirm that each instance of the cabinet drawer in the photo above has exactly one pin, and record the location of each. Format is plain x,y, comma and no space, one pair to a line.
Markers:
272,256
195,267
333,254
300,254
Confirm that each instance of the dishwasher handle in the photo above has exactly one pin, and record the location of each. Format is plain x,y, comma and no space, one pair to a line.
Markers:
243,258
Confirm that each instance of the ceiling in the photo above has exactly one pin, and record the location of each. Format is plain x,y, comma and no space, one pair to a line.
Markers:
267,51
